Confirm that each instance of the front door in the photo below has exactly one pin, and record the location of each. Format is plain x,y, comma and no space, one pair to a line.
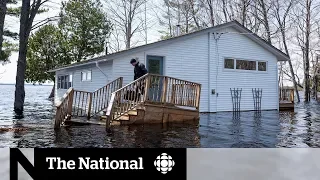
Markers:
155,66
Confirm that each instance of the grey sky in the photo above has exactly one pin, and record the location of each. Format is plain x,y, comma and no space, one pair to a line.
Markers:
8,72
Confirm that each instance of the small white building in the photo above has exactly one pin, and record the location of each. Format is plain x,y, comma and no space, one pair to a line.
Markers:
221,57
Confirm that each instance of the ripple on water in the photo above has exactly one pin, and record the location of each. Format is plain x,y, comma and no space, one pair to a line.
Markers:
247,130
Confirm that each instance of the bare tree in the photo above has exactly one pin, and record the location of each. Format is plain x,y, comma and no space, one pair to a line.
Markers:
281,10
28,13
3,11
210,10
125,15
165,18
306,17
195,11
243,6
306,50
264,10
115,35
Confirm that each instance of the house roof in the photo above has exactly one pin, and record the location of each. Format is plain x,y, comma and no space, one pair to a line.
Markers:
281,56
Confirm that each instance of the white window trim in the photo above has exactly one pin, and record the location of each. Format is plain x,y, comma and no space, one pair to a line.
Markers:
70,80
86,72
266,66
243,70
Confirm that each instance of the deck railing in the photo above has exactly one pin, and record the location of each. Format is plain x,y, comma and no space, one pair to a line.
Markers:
81,104
77,103
286,95
64,108
127,98
153,88
101,97
169,90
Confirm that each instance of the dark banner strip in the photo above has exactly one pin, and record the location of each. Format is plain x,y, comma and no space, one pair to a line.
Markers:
104,163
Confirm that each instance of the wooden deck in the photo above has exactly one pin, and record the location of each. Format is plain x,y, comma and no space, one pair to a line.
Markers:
158,99
286,101
286,106
84,121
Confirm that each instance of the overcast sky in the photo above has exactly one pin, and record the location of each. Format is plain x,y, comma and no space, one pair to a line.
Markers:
8,72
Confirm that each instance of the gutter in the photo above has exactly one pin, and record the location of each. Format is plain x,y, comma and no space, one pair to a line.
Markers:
77,65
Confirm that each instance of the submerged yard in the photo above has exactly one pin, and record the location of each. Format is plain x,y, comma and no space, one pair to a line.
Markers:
247,129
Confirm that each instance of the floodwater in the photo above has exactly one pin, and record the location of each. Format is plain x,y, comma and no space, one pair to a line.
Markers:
268,129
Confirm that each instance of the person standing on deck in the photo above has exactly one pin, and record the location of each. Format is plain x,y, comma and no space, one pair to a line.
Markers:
139,71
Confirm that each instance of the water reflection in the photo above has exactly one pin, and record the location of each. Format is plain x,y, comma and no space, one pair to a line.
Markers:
300,128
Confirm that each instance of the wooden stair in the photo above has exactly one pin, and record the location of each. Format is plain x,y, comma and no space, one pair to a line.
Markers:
124,116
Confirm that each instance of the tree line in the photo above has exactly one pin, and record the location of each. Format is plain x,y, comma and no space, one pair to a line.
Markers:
86,28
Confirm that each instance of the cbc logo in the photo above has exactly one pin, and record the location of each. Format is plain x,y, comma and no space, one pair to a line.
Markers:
164,163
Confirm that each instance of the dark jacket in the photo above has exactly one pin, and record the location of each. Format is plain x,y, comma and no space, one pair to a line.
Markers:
139,70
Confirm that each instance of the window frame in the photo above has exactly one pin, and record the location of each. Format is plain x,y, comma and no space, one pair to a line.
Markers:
266,66
244,70
86,72
62,83
224,65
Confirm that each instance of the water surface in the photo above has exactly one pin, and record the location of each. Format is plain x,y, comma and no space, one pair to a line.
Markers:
247,129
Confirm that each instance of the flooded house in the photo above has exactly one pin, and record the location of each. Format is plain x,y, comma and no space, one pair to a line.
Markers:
215,67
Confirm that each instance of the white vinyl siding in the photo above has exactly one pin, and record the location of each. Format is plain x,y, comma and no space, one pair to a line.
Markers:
187,60
244,48
198,59
98,79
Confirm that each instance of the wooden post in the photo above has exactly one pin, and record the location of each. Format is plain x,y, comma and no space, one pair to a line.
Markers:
70,102
110,112
198,96
292,95
146,89
173,94
57,118
120,83
164,90
90,104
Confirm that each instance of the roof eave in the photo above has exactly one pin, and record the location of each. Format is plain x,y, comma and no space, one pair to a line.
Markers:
82,64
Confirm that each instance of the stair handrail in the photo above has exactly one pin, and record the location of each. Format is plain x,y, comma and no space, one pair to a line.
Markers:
64,108
132,82
135,83
119,78
118,81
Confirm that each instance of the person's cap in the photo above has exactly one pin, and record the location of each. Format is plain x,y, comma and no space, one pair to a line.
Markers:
133,61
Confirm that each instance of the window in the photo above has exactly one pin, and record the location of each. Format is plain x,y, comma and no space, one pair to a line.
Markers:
262,66
86,76
64,81
239,64
246,65
229,63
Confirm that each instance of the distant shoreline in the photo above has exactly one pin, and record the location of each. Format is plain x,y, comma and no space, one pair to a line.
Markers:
4,84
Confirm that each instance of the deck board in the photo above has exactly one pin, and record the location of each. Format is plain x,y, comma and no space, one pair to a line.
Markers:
84,121
286,105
